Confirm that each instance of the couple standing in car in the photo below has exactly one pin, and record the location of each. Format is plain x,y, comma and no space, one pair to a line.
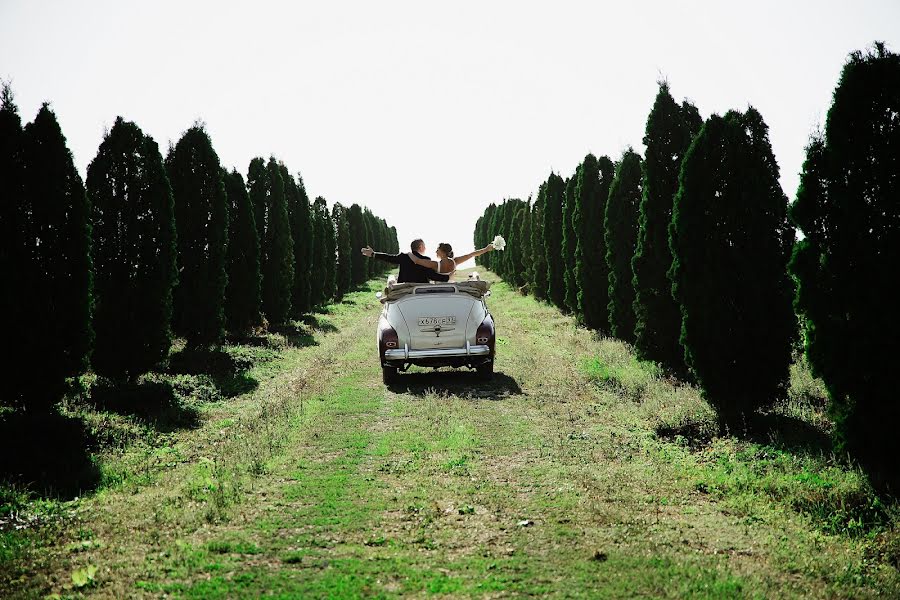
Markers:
415,267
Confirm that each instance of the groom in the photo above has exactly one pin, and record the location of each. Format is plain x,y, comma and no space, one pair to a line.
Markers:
410,272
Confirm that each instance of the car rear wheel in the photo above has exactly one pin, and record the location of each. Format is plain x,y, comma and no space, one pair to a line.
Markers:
485,371
389,375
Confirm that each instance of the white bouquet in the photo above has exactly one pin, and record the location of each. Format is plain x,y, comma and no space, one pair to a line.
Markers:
499,243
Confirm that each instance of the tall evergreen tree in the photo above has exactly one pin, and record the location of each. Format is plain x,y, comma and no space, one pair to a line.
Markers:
526,259
201,219
13,263
508,261
620,235
369,236
133,252
278,250
343,278
845,265
478,236
591,191
358,266
553,229
539,281
569,244
513,252
731,240
324,251
54,239
257,186
243,294
302,234
670,129
395,241
489,229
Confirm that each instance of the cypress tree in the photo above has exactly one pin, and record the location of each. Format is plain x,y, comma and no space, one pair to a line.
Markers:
395,241
508,263
54,239
670,128
591,191
553,209
278,254
317,282
730,240
620,234
848,212
378,241
538,255
526,259
569,244
343,278
243,294
300,215
257,186
369,237
498,222
513,252
133,252
367,241
13,263
201,219
489,226
358,267
324,250
478,236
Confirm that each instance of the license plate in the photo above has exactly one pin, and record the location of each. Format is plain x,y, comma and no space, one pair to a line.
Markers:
436,321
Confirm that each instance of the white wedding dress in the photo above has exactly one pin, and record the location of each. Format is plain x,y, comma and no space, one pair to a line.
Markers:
448,273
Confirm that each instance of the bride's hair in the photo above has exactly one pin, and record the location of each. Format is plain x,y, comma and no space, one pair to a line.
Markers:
447,249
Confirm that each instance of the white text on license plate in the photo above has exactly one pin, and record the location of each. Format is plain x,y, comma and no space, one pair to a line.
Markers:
436,321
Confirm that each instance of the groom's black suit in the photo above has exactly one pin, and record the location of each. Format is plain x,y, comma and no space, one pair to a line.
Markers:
410,272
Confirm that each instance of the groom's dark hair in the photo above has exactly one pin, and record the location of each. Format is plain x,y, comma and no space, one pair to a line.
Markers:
414,246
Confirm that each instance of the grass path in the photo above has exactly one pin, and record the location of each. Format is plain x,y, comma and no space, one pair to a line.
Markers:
552,480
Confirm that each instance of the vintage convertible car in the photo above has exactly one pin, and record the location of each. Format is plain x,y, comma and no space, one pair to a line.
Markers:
435,325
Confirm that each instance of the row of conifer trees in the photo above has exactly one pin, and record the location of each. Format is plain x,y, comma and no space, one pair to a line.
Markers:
105,274
691,254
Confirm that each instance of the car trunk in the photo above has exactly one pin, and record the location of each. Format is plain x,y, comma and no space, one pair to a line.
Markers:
437,321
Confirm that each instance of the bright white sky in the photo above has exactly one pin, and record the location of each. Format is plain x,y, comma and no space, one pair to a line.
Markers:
425,111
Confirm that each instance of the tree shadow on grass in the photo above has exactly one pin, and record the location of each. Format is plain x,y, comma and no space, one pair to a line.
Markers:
786,432
153,402
297,334
456,382
249,339
791,433
228,372
318,324
48,453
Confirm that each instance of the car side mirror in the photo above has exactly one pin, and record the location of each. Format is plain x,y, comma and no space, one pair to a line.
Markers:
487,293
378,295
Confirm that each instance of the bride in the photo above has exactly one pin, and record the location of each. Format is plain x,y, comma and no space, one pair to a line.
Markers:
446,264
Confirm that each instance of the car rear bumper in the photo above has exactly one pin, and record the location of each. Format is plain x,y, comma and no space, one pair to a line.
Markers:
405,354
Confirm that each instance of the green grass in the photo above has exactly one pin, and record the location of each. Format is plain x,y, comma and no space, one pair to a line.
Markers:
578,472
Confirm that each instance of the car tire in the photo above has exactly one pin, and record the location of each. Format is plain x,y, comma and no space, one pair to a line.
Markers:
389,375
485,371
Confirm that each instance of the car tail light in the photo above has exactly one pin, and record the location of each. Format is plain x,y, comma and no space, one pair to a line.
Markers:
388,340
485,335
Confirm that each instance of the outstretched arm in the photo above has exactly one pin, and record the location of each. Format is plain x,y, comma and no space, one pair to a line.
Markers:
423,262
461,259
391,258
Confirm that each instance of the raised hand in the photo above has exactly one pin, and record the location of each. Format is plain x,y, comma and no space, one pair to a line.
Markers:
367,252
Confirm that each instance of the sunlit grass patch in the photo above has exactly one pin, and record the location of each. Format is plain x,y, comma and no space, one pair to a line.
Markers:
616,367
